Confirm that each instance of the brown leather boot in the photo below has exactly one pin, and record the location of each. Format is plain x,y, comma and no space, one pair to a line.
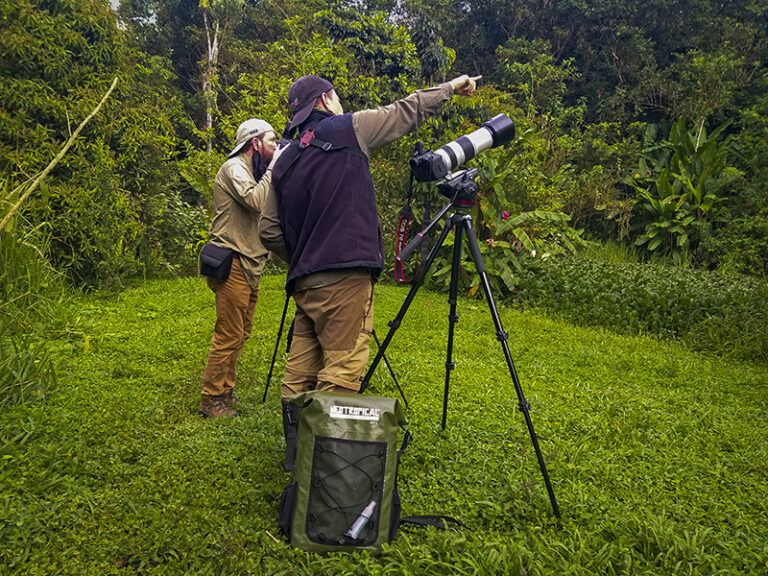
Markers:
230,399
214,407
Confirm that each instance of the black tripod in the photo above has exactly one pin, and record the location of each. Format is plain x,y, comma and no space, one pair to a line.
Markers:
461,189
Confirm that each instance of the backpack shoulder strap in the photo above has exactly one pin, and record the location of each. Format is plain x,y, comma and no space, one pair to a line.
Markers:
435,520
297,146
309,139
286,160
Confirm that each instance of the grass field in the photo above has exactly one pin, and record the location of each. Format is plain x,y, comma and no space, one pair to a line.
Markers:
658,455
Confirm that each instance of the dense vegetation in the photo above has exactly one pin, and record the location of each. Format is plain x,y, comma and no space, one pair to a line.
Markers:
643,126
642,123
707,310
634,197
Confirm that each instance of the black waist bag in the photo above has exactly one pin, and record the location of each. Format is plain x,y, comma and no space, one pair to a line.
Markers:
344,490
216,262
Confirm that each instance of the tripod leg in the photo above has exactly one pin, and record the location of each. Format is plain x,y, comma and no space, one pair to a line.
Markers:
502,337
395,324
277,343
453,317
389,367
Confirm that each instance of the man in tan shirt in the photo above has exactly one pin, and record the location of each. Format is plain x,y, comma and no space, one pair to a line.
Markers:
320,217
239,191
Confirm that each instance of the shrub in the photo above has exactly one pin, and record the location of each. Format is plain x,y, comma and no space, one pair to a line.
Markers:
742,246
32,295
682,184
112,202
710,310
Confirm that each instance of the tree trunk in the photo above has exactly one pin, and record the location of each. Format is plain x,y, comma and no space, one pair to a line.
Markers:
209,74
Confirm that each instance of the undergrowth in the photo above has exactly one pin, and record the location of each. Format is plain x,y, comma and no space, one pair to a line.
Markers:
34,308
710,311
657,453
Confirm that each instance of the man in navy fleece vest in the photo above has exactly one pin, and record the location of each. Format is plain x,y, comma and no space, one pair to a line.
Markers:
320,217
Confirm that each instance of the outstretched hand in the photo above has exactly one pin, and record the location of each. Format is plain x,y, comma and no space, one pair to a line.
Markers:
464,85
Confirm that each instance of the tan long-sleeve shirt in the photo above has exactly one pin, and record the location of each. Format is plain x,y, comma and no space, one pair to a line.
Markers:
237,204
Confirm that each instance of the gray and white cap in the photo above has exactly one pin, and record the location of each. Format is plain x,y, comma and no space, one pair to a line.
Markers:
249,130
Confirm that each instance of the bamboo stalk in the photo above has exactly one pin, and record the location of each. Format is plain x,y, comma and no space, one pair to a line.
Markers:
56,159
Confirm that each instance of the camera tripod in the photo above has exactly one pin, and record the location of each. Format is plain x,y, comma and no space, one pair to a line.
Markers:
463,189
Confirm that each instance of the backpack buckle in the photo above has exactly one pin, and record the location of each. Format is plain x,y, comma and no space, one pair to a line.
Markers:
306,138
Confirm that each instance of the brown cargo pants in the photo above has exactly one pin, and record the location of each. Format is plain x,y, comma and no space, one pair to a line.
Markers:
235,302
332,327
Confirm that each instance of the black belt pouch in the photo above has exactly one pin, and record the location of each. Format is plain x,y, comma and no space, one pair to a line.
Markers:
216,261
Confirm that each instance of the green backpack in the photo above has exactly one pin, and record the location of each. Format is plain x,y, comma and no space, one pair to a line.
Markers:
344,490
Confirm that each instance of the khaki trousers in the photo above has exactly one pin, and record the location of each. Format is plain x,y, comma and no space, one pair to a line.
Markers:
235,302
332,327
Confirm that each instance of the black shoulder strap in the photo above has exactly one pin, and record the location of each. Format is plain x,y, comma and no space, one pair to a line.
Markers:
402,235
309,139
297,146
436,520
286,160
407,437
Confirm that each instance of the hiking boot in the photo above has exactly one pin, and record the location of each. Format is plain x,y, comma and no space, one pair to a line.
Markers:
214,407
230,399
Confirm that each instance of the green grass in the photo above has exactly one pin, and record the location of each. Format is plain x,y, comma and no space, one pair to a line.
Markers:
658,454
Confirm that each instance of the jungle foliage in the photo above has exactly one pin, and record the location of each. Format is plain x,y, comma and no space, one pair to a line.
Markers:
643,123
642,138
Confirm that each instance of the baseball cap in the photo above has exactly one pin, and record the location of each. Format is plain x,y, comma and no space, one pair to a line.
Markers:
302,96
249,130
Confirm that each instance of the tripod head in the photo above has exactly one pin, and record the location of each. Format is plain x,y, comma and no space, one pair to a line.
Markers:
460,187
